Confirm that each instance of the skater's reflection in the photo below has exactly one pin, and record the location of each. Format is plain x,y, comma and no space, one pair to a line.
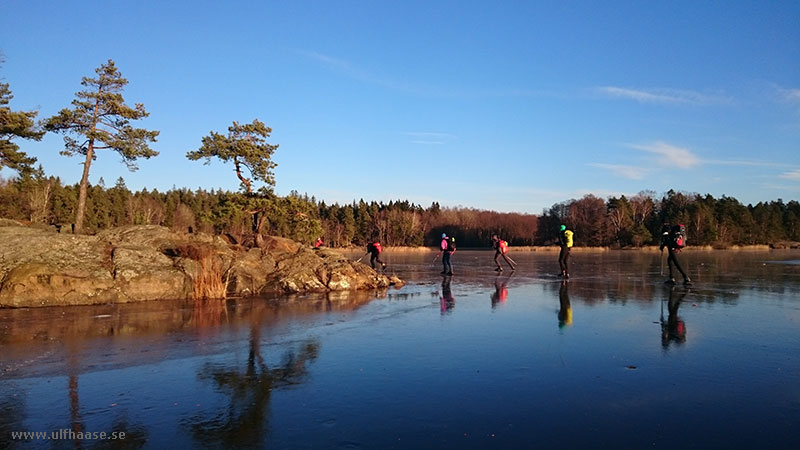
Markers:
500,294
565,312
446,302
673,329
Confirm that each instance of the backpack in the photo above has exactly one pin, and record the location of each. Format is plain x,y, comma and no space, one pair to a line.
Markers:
567,238
678,233
451,245
503,246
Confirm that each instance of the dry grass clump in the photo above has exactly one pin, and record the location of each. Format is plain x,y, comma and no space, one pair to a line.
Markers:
212,273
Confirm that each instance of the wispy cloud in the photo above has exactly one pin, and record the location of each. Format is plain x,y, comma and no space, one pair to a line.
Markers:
519,198
597,192
329,61
427,142
782,187
794,175
662,96
630,172
353,71
429,134
745,163
350,70
788,95
669,155
429,138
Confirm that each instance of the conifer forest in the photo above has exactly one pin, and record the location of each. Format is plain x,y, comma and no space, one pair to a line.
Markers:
613,222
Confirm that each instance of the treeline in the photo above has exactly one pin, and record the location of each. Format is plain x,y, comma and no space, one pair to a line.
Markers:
636,221
614,222
46,200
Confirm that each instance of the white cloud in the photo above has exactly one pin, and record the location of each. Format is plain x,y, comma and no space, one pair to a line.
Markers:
667,96
670,155
789,95
793,175
630,172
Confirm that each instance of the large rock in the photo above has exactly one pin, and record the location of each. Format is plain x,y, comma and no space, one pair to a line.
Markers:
138,263
40,268
303,269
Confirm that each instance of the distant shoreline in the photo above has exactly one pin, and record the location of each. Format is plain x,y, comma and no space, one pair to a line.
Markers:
555,249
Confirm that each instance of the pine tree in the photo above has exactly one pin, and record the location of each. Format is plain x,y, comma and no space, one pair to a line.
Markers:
101,120
15,124
245,146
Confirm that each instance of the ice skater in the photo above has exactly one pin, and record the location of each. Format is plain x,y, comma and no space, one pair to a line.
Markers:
446,249
565,241
501,249
374,249
674,239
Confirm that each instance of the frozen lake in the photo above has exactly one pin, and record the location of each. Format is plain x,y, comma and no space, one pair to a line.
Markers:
612,358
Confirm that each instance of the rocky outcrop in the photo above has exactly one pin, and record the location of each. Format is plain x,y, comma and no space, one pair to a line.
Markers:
138,263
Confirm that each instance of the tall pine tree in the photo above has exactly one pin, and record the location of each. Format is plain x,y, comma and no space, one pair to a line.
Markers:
101,120
15,124
247,148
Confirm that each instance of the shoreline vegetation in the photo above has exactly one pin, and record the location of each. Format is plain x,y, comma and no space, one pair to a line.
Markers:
556,249
37,200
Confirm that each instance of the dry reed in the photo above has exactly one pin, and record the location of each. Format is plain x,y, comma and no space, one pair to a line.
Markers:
211,275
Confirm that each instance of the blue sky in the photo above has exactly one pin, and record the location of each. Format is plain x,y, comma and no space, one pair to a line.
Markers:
509,106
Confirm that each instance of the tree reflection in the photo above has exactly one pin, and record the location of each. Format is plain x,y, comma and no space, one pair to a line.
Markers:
244,422
135,434
673,329
73,371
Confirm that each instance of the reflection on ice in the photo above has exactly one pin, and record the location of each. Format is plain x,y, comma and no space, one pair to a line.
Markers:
565,308
407,368
673,329
500,294
447,302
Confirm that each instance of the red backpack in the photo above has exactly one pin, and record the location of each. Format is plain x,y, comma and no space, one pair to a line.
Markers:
503,245
679,235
